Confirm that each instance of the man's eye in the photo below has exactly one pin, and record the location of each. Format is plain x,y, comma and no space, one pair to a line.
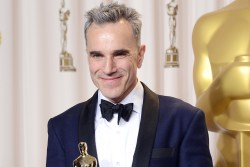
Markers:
96,56
121,55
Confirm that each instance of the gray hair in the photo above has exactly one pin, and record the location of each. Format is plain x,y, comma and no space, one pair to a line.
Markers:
112,13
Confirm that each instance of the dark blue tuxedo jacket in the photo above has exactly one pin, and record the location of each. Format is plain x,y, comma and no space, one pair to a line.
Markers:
172,133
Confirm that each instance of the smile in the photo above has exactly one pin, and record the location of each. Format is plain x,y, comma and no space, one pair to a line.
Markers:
111,78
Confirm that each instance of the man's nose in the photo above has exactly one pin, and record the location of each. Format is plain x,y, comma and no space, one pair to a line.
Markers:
110,65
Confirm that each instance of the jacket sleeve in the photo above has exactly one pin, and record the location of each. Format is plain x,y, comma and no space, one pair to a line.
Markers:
55,150
194,150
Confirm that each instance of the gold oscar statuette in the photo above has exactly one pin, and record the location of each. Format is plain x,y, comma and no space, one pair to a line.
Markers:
84,160
222,79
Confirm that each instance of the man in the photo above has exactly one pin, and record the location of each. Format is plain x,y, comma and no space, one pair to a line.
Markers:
161,131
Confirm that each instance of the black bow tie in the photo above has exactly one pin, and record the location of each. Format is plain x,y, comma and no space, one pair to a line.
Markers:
108,109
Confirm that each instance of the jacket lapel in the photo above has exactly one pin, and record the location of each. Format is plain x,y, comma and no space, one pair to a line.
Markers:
87,125
147,130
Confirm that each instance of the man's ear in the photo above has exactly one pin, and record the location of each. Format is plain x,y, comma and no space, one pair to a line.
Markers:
141,52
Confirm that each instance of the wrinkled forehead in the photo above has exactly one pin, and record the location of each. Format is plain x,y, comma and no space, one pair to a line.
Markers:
120,29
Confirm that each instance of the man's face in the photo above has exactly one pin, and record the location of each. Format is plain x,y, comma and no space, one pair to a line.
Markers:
113,57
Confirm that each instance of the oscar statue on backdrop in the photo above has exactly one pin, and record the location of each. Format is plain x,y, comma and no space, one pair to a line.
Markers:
66,59
172,55
84,160
221,43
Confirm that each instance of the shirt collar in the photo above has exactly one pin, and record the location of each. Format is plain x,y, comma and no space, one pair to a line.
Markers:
135,96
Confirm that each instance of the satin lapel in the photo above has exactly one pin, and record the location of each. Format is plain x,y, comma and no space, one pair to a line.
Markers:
87,125
147,130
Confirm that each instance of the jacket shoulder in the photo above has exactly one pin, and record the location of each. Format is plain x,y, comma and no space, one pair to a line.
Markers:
177,106
70,113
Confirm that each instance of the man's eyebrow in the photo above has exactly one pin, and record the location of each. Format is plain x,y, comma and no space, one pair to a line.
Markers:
95,52
115,52
121,51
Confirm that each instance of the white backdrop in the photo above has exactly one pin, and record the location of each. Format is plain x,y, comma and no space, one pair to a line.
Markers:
32,89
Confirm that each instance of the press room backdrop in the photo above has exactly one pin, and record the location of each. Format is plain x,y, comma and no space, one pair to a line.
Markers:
32,89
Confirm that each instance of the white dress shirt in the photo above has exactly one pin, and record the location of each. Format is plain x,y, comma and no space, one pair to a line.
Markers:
116,143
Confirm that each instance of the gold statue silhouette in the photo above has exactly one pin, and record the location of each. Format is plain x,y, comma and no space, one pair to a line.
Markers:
221,43
84,160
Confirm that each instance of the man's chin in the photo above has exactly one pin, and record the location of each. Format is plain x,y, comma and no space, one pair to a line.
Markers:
111,94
